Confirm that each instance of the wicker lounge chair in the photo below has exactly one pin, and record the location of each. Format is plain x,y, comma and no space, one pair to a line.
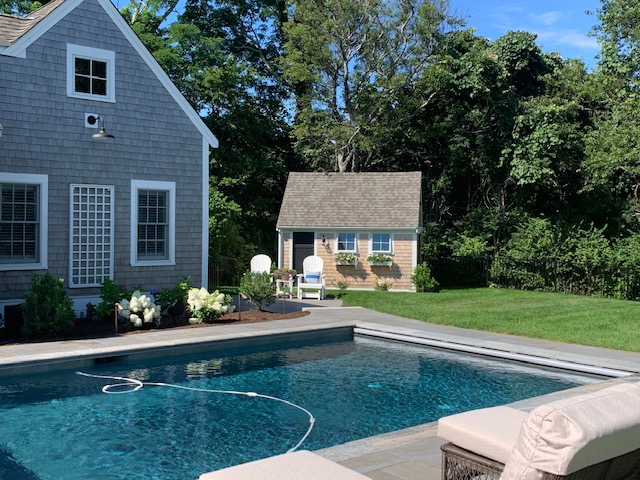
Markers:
594,436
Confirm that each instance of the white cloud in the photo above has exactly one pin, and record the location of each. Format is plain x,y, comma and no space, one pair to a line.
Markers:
567,37
547,18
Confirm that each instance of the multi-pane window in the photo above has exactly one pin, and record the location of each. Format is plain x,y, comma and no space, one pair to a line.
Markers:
381,242
90,76
91,73
91,260
152,224
346,242
19,223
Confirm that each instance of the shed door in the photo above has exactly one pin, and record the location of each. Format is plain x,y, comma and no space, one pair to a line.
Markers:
302,248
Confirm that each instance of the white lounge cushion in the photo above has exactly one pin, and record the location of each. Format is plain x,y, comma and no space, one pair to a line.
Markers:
568,435
301,465
490,432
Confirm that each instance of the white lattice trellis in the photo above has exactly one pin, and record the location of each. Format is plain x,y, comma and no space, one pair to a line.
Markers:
91,245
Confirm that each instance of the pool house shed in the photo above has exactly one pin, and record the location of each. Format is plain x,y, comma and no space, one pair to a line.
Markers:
365,226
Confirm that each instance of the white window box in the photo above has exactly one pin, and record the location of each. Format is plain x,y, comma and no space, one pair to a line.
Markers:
381,264
346,262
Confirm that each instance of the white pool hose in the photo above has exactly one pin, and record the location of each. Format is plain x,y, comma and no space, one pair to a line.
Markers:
135,385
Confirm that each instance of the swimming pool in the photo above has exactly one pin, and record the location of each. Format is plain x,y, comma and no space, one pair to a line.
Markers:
61,426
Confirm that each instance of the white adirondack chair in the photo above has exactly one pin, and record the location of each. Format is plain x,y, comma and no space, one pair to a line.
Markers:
261,263
311,282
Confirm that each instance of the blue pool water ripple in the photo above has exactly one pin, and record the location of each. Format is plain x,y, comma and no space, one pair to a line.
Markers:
61,427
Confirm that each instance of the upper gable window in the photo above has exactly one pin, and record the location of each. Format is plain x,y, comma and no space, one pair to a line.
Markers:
90,73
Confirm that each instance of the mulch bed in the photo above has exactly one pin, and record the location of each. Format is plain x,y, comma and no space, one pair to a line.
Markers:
86,329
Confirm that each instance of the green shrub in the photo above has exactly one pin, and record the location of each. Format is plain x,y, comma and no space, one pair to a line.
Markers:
465,246
168,297
422,279
382,286
342,286
47,309
110,294
258,288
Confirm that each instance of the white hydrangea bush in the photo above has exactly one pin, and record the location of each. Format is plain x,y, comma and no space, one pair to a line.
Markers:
140,309
208,307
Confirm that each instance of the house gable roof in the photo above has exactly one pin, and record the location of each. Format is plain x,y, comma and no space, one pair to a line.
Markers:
13,27
352,200
18,33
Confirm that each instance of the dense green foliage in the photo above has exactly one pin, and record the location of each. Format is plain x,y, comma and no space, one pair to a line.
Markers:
110,294
591,321
175,296
258,288
422,278
506,136
47,309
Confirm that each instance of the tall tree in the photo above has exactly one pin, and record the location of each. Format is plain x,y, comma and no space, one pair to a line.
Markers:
223,56
619,36
612,156
355,56
19,7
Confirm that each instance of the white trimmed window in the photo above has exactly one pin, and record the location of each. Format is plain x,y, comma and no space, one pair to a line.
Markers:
346,242
91,73
153,223
381,243
91,245
23,221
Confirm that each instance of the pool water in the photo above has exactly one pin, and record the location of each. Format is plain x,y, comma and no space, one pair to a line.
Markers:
61,426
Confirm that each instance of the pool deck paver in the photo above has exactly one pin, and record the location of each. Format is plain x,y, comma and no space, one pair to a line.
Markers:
408,454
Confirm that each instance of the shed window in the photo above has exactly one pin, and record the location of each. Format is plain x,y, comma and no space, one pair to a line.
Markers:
346,242
381,243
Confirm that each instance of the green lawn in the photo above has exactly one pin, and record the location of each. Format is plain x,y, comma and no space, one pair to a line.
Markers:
566,318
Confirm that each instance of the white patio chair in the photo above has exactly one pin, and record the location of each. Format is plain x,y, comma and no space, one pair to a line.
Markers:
261,263
311,281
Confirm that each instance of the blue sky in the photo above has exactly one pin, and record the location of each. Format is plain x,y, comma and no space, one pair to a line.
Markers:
561,25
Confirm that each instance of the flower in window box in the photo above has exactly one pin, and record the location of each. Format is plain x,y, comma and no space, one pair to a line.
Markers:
345,259
379,259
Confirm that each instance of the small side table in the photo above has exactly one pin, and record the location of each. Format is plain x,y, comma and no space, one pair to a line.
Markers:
280,284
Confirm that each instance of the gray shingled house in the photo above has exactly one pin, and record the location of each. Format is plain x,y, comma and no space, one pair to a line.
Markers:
103,163
329,214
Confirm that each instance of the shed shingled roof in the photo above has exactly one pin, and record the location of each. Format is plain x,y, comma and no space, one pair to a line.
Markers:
352,200
13,27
